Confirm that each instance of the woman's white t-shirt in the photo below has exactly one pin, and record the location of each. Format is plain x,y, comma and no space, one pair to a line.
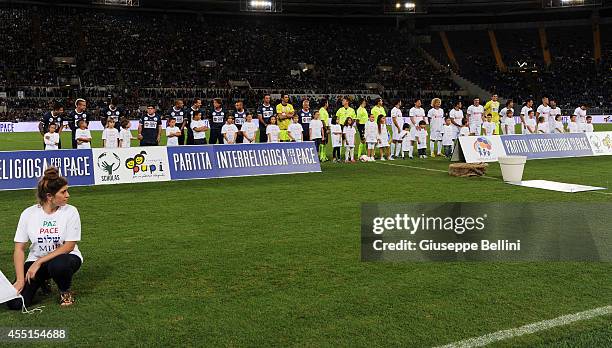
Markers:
48,232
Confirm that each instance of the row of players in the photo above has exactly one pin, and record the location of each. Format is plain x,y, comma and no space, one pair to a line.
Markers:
149,131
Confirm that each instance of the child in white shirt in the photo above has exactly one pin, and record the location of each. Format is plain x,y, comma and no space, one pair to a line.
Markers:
421,139
447,137
295,130
316,132
349,132
488,127
588,127
530,123
558,125
542,127
509,122
371,136
406,138
229,131
172,132
272,130
383,137
125,135
248,130
51,138
199,129
83,136
110,135
573,126
465,128
336,136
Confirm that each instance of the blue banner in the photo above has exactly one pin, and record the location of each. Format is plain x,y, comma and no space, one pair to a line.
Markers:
536,146
23,169
216,161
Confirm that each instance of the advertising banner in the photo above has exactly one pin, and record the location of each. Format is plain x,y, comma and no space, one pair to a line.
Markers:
23,169
202,162
481,148
536,146
131,165
601,143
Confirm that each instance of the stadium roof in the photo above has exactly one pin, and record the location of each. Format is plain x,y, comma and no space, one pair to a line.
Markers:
374,8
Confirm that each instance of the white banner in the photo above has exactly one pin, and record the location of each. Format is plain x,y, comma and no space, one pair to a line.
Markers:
482,148
131,165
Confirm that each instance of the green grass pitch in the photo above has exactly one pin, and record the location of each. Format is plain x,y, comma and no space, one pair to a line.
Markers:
275,261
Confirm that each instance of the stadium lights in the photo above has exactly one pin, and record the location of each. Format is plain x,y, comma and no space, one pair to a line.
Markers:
396,7
261,3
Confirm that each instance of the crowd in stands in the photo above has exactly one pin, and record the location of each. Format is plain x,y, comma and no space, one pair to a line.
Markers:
572,77
142,50
150,56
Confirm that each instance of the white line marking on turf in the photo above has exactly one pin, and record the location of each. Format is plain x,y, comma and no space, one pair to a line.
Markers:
530,328
428,169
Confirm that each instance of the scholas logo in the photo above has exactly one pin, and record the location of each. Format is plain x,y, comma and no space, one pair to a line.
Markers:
109,162
137,164
483,147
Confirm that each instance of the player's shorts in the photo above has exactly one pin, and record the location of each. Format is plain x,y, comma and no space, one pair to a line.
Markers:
371,146
397,137
284,135
361,129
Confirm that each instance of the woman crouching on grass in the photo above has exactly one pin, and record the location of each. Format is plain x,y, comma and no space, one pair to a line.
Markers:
53,228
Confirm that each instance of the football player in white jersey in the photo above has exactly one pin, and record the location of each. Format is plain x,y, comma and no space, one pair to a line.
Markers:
476,116
397,123
525,112
436,116
581,113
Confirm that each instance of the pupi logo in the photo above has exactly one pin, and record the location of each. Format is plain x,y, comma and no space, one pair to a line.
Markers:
109,162
137,164
483,146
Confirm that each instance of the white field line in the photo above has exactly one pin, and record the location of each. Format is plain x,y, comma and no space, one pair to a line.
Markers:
530,328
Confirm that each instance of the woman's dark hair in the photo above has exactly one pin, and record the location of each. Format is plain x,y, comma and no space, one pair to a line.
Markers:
334,120
50,183
346,121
